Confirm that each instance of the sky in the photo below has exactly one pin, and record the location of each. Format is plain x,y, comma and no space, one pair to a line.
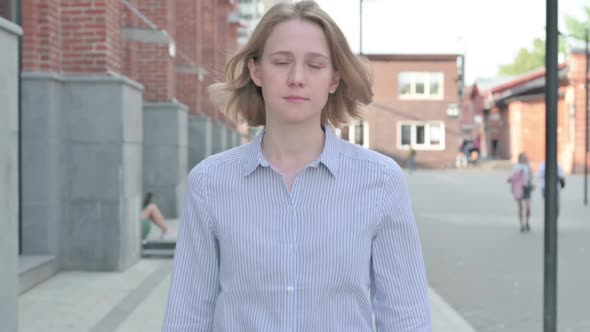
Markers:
490,32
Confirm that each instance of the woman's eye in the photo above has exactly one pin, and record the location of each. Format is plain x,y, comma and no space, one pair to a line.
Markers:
281,63
315,66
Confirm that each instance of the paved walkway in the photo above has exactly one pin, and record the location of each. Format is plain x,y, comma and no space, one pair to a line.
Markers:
133,300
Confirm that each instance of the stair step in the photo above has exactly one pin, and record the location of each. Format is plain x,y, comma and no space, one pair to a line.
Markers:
157,253
35,269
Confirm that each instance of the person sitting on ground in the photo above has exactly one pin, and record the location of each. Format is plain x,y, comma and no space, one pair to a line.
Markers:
151,213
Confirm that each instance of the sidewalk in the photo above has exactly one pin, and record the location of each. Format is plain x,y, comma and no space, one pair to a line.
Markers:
133,301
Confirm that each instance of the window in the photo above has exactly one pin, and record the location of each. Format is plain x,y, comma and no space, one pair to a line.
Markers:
420,85
359,138
421,135
357,133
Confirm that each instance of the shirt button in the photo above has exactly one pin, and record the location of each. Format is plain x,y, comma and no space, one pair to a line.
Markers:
291,247
290,289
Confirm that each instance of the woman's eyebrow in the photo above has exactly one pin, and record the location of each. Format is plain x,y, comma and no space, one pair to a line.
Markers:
284,53
307,55
317,55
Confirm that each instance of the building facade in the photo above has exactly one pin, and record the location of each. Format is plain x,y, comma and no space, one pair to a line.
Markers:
113,105
416,105
514,116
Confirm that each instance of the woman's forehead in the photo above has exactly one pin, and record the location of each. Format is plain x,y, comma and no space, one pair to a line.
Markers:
298,37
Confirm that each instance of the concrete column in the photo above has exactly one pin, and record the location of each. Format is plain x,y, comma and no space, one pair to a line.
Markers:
217,137
209,138
9,174
104,120
224,138
199,138
228,138
165,158
44,163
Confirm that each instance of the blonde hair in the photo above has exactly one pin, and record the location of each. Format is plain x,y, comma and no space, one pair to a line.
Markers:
239,96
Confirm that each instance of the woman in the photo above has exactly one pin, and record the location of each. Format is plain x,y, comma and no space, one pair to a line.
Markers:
297,230
521,187
151,213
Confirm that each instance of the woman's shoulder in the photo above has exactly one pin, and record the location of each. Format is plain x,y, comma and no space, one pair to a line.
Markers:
386,164
220,161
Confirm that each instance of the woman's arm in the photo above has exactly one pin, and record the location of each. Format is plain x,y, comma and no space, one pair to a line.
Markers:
195,278
400,291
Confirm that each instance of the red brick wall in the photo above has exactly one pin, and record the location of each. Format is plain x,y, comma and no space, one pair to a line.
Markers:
188,39
5,10
383,121
91,36
156,72
209,33
527,132
577,66
84,36
150,63
41,35
72,36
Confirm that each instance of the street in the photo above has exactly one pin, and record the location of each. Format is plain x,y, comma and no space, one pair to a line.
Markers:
480,263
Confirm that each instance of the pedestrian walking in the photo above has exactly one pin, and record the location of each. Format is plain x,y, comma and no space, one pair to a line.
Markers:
297,230
411,161
560,181
521,186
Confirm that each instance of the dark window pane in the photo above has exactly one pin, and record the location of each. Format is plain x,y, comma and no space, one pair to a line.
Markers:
358,134
420,135
435,82
420,84
406,135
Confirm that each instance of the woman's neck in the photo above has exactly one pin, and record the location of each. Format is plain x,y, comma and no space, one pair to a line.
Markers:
290,148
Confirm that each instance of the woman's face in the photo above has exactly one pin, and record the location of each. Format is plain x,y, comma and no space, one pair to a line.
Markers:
295,73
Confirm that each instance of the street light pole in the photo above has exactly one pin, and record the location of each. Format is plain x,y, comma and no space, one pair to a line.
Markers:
586,120
360,27
551,90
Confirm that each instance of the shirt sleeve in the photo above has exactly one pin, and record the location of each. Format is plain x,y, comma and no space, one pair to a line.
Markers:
399,287
194,284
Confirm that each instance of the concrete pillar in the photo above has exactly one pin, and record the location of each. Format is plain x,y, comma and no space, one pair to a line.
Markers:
199,141
82,148
105,118
228,143
9,174
165,158
217,137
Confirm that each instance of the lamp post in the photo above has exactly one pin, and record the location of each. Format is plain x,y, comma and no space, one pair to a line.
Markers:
586,133
550,250
360,27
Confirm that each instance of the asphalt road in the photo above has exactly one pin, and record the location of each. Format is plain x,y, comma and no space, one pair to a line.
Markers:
480,263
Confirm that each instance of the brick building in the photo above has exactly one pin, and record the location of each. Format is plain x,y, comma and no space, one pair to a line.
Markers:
416,104
514,116
113,105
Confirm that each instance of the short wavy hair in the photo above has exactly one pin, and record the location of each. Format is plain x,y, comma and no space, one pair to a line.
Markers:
239,97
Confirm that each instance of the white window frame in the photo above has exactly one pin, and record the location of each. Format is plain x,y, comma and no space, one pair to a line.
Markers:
427,77
352,133
421,147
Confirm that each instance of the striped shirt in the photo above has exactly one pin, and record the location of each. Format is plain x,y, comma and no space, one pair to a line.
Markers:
341,246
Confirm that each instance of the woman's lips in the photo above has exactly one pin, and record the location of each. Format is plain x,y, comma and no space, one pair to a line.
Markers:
295,99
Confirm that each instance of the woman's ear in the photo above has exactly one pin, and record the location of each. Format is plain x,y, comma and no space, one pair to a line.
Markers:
335,81
254,72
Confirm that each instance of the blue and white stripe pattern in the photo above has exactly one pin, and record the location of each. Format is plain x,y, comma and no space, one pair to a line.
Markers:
342,245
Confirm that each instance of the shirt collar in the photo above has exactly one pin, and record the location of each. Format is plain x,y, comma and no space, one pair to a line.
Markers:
329,156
